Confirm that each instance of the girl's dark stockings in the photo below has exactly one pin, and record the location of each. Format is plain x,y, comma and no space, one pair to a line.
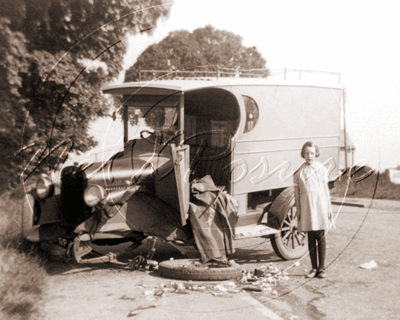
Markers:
316,239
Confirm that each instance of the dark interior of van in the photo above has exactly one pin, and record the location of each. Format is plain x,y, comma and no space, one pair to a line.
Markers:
211,120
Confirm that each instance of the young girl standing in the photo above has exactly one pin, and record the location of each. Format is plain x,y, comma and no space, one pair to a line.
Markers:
313,204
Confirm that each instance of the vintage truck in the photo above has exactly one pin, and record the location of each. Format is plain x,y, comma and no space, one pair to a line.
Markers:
245,133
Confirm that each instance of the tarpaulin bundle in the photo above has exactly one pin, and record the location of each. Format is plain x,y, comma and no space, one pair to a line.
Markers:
213,215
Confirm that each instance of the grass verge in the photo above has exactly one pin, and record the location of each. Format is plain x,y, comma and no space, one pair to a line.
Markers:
22,276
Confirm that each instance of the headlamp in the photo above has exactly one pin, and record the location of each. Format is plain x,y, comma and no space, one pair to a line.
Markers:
44,188
93,195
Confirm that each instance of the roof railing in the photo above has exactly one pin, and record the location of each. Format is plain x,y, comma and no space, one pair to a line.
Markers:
304,74
223,72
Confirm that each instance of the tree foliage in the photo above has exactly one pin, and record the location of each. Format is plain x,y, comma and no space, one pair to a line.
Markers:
54,57
182,50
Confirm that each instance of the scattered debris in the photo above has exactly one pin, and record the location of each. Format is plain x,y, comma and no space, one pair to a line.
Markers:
217,294
144,307
258,273
149,292
131,314
158,293
134,313
141,263
124,297
368,265
252,288
220,288
297,264
263,279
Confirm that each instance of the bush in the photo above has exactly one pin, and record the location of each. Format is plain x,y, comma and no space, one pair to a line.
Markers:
362,182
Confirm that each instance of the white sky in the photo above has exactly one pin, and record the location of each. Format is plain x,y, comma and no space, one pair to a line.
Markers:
359,39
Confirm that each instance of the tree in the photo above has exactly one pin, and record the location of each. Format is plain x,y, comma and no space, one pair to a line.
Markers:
182,50
54,57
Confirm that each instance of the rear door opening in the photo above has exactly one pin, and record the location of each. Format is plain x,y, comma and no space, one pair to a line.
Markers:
212,118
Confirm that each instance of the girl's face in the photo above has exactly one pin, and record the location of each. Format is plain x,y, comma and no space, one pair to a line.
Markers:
309,154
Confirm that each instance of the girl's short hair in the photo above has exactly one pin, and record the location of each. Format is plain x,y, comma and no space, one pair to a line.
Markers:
311,145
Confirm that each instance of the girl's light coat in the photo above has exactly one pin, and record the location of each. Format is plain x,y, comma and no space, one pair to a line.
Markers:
312,197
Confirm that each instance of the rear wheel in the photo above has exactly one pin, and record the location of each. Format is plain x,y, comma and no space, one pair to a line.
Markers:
290,243
192,269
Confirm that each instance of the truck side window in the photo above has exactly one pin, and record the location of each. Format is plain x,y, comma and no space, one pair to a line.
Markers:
251,113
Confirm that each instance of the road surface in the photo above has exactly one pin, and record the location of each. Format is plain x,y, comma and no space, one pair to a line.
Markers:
349,292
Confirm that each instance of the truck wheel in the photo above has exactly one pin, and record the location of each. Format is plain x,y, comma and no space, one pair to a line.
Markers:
27,214
193,269
289,243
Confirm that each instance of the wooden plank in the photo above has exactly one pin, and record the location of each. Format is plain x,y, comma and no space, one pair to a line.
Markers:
253,231
180,156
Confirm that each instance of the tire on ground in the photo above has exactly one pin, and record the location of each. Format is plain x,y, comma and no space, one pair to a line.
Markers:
193,269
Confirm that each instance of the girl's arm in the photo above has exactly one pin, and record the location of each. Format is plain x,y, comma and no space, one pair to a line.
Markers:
328,196
297,195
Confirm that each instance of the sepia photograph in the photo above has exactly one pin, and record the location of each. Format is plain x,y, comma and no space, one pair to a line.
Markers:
176,159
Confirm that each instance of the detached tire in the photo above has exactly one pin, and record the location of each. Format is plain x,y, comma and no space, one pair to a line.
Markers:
193,269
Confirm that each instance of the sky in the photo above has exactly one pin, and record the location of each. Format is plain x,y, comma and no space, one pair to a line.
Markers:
359,39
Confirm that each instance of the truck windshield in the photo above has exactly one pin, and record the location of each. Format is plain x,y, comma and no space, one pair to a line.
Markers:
151,119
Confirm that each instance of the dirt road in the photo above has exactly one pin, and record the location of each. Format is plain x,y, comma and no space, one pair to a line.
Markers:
349,292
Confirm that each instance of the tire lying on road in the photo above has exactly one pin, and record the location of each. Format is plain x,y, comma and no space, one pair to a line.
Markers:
193,269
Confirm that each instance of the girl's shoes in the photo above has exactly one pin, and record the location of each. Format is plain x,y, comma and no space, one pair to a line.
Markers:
312,273
321,274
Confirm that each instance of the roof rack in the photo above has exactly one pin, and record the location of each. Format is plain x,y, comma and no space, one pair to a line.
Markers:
222,72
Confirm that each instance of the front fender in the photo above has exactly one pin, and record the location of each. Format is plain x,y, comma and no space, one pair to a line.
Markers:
283,201
120,196
143,212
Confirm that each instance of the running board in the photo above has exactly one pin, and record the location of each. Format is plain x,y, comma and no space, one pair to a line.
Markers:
252,231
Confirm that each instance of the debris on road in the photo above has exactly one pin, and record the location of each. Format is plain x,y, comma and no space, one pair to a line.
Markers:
131,314
264,279
258,273
134,313
369,265
142,264
252,288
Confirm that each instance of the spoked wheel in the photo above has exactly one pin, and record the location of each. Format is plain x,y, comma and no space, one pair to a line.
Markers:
290,243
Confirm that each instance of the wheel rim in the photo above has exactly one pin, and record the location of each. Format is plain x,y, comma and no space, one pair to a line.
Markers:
291,237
